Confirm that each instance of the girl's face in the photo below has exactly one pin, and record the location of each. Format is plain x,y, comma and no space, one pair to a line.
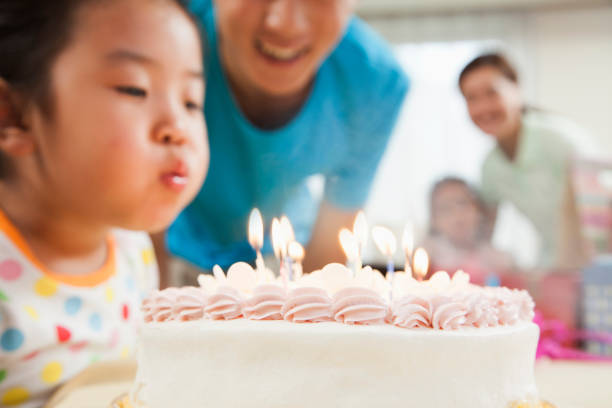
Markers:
125,144
455,215
494,102
276,46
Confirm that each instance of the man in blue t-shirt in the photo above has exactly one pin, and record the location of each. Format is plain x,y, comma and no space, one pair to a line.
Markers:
294,88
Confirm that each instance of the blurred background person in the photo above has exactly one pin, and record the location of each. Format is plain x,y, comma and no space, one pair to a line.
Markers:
457,235
531,163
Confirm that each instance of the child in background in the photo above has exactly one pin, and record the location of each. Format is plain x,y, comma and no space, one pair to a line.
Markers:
457,237
101,132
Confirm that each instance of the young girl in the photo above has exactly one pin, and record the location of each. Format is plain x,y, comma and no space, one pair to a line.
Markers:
457,239
101,131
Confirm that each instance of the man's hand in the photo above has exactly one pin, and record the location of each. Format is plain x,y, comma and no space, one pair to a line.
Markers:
324,246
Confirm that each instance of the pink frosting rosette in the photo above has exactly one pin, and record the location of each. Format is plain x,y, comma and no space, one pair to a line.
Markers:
448,313
307,304
266,302
481,310
412,312
527,305
359,305
190,303
225,304
159,307
507,306
145,308
228,293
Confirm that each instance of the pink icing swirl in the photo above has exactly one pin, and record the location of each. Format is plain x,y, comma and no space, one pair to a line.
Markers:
481,310
307,304
412,312
507,306
358,305
266,302
159,307
225,304
146,306
190,303
527,305
448,313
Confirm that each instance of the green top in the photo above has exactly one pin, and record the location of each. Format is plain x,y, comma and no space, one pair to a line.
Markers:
536,181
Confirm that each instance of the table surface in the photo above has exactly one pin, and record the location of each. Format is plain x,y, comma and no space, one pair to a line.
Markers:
564,383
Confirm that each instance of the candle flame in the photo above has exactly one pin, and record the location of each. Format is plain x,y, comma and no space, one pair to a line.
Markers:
420,263
296,251
277,237
349,245
256,230
408,239
360,230
384,240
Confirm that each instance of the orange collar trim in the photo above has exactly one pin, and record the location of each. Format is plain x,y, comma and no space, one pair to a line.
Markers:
87,280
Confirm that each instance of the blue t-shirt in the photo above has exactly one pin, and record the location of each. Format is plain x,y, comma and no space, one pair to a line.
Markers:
340,132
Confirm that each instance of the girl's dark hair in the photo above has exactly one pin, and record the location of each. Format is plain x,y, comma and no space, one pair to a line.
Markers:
493,60
32,34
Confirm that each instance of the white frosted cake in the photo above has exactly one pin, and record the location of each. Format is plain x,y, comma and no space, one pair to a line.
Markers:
331,339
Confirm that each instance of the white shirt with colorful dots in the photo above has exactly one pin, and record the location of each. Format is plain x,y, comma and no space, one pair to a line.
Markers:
53,326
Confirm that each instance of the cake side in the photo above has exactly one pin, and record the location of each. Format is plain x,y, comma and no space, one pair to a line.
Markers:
242,363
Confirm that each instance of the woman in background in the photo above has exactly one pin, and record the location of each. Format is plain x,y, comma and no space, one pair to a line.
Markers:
530,166
457,237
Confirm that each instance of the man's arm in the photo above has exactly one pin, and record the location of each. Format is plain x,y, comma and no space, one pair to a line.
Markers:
348,185
324,246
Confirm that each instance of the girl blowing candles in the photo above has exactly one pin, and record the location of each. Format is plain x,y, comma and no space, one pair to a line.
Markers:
101,132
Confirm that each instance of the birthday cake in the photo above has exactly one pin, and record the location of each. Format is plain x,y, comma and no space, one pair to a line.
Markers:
335,338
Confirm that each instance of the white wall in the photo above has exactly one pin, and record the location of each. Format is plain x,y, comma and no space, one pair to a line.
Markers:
572,53
564,56
387,7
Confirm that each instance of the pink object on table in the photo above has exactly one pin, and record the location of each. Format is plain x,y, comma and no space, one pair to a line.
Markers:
555,337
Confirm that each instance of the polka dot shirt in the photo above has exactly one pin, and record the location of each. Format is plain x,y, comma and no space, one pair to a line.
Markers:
53,326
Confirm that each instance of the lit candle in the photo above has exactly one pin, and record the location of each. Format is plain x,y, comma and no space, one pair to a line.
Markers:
277,245
288,236
296,252
349,245
256,237
360,232
420,263
287,229
408,246
387,245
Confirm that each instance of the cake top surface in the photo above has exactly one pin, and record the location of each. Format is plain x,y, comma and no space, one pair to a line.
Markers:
335,293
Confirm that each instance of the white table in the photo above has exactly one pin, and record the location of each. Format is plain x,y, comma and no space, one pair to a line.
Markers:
566,384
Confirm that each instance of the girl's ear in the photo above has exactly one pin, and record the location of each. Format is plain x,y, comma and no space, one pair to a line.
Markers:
15,138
